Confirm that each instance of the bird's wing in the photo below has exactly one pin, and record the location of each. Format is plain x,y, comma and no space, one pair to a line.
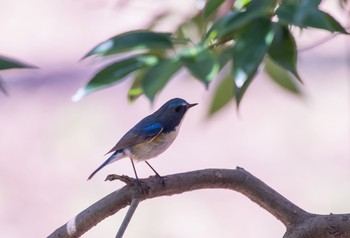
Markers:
138,135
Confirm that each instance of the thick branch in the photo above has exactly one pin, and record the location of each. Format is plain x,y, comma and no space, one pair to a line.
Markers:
239,180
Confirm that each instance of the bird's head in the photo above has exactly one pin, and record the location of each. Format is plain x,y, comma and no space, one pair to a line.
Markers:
173,111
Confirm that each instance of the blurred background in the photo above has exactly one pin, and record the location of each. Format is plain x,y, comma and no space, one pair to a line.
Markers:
300,146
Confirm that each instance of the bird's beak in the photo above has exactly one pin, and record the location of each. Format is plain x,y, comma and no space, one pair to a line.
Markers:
191,105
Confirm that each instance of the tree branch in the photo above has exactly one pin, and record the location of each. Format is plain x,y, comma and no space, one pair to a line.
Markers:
296,220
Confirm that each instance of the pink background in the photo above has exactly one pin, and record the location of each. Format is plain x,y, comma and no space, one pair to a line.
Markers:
49,145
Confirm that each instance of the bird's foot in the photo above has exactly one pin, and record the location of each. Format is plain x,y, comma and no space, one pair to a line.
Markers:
161,179
144,189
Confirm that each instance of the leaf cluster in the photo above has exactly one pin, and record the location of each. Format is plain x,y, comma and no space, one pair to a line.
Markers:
250,35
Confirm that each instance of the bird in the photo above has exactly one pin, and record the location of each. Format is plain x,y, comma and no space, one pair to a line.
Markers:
151,136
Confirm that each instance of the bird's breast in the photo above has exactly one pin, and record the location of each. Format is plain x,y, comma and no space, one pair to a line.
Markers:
154,147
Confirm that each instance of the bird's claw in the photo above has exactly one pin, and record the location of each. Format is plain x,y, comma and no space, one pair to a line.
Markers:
161,179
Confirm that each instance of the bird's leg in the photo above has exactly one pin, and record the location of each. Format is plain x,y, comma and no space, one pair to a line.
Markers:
137,178
157,175
153,170
133,166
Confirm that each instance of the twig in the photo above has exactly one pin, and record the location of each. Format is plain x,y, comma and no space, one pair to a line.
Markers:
325,39
124,178
319,42
134,203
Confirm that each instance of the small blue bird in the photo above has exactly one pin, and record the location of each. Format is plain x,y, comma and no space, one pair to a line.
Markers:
151,136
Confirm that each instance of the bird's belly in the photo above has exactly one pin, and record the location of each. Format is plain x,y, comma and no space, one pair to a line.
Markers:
153,148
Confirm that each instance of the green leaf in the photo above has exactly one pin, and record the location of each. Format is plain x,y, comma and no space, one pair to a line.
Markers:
7,63
325,21
158,76
224,57
211,6
283,49
267,5
113,73
136,90
248,52
133,40
219,28
305,13
223,94
228,25
191,30
281,76
201,63
238,4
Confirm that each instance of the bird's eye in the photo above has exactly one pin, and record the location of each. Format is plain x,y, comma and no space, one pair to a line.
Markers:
177,109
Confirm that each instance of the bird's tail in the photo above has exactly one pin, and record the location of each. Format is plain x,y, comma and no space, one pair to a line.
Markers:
114,157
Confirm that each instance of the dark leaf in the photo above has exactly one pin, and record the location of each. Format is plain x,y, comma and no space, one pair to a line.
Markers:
283,49
136,90
201,63
211,6
305,13
115,72
7,63
248,52
223,94
281,76
327,22
158,76
219,29
225,56
134,40
227,26
267,5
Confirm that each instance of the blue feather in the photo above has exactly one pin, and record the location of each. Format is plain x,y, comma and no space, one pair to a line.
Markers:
153,127
114,157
